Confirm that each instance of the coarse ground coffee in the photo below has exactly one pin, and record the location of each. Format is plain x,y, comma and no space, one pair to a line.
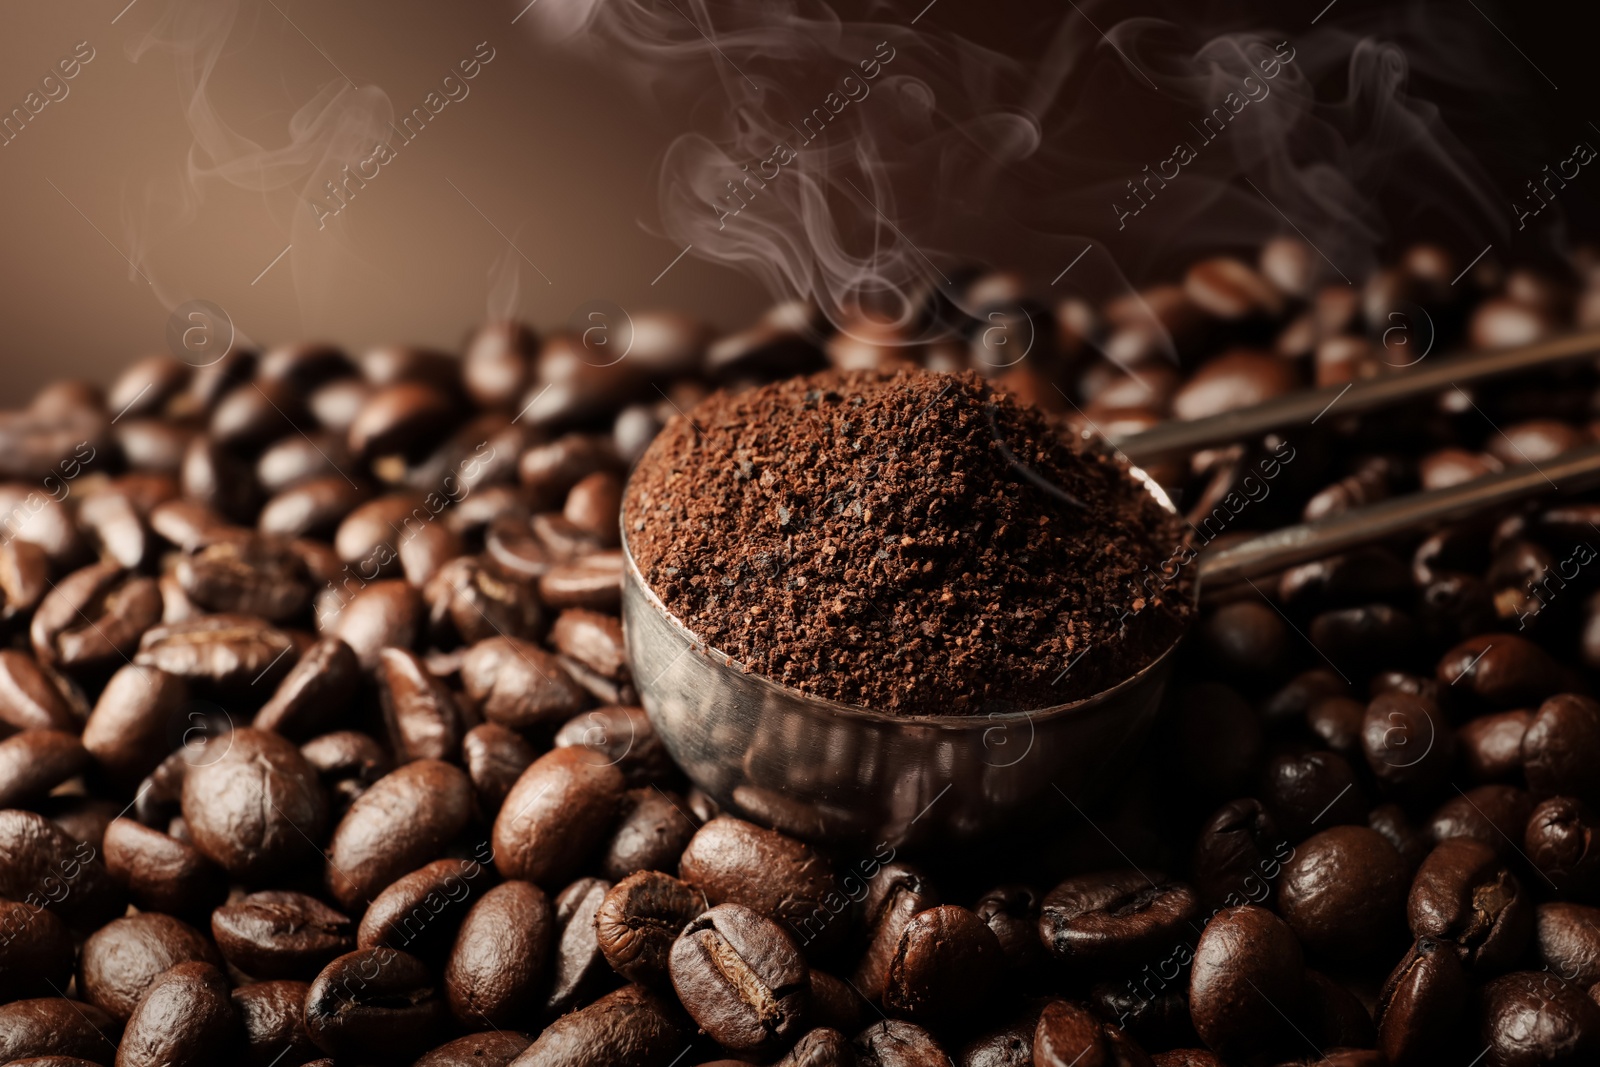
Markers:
913,542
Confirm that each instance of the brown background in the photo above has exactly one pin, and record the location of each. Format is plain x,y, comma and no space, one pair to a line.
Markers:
557,154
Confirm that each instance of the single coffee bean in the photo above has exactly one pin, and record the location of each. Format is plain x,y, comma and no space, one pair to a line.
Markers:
947,960
651,833
1560,843
93,618
419,710
556,816
497,967
219,653
836,1003
254,805
1116,918
493,1049
348,763
742,979
1568,939
374,1003
29,700
322,681
380,615
733,861
420,912
1012,913
1491,745
640,919
1008,1045
822,1047
1408,746
406,418
594,505
1533,1017
1420,1007
122,958
495,758
1463,893
35,951
593,640
368,536
898,1043
1247,979
629,1027
272,1015
183,1019
219,478
580,968
1501,671
1493,814
1310,792
550,471
1337,721
897,894
296,459
280,934
1344,892
1248,639
1238,855
1068,1034
472,599
404,820
519,685
132,726
160,872
260,576
593,581
1562,748
313,507
36,761
40,864
624,736
57,1027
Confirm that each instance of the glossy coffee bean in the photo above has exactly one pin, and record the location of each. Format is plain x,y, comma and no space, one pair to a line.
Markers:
640,919
57,1027
420,912
1491,745
93,618
821,1047
629,1027
323,680
404,820
593,581
495,758
375,1003
419,710
1310,792
1409,747
1344,892
1012,912
579,967
947,957
624,736
254,805
898,1043
380,615
472,599
1463,893
219,654
41,865
1561,843
497,966
35,951
121,959
1422,1003
555,816
1248,973
518,685
733,861
895,895
280,934
1238,855
260,576
1561,747
271,1014
160,872
1533,1017
36,761
592,640
1501,671
142,714
1069,1033
495,1048
29,700
741,978
651,833
1116,918
183,1019
347,762
1493,814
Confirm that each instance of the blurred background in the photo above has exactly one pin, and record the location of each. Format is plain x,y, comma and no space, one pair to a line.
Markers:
187,156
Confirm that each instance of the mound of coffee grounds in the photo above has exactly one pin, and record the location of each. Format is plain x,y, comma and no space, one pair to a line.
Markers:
913,542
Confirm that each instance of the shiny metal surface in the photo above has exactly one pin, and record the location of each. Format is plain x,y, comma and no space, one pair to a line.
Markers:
827,771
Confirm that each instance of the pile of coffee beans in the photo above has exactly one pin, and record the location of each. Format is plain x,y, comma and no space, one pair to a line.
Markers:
318,741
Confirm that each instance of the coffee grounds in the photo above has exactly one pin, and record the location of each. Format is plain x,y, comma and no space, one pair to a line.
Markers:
913,542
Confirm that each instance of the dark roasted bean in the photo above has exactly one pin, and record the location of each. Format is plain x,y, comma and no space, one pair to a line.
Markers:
501,956
1420,1007
375,1003
1463,893
1343,893
947,961
160,872
279,934
272,1015
36,951
638,921
519,685
1115,918
40,864
253,804
122,958
742,979
311,695
1562,841
419,710
580,969
1248,971
495,758
183,1019
556,816
404,820
630,1027
420,912
733,861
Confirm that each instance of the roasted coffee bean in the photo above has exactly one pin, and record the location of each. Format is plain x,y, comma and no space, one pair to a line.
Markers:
1501,671
1420,1007
254,805
1154,1019
501,956
261,576
309,698
468,598
380,615
556,816
298,458
1311,791
406,418
148,385
494,1049
550,471
183,1019
1248,975
947,959
219,653
624,736
592,640
420,912
138,719
1344,892
1008,1045
1464,894
419,710
35,951
1562,841
651,833
271,1015
1115,918
219,479
593,581
593,506
36,761
115,525
312,508
374,1003
630,1027
742,979
348,763
1012,912
255,414
57,1027
1491,745
1493,814
120,960
1337,721
896,894
580,968
1408,746
41,865
160,872
519,685
404,820
1532,1017
733,861
1069,1034
898,1043
93,618
367,538
1568,939
495,758
1249,640
822,1047
1561,748
638,921
1237,378
280,934
29,700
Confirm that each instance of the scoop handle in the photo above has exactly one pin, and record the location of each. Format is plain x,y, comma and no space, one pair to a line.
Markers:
1570,472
